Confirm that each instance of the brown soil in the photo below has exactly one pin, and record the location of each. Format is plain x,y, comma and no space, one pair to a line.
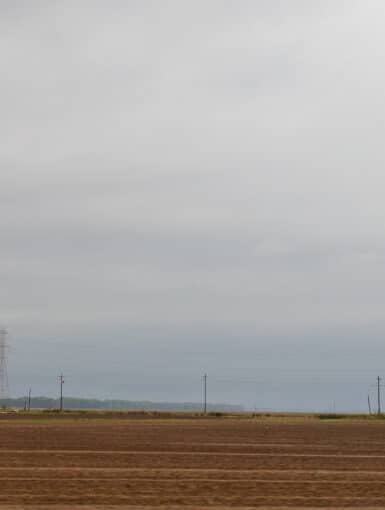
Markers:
191,464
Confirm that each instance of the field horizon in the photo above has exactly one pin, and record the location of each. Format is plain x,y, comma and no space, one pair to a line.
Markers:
123,414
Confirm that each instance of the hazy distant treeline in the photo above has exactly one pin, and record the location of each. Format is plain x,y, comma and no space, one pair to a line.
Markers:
89,403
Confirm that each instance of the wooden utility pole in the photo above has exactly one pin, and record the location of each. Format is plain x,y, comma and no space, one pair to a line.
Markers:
369,406
378,395
61,381
205,393
29,399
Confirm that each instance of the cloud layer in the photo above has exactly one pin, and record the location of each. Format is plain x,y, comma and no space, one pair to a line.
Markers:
192,166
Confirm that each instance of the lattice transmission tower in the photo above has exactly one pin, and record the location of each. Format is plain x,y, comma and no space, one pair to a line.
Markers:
4,385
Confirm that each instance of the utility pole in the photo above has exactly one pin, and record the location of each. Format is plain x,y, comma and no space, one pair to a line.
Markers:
4,386
61,382
369,406
205,393
378,394
29,399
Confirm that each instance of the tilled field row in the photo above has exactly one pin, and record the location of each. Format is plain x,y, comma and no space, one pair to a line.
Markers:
213,488
282,475
194,453
127,482
206,448
196,501
155,506
81,434
191,461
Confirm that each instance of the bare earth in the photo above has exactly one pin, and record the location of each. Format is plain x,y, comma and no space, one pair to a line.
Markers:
191,464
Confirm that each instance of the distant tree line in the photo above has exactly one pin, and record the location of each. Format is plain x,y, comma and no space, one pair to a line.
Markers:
90,403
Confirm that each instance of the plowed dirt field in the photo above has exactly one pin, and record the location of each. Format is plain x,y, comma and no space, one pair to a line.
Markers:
191,464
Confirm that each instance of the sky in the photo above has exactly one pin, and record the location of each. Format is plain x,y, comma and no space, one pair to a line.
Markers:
191,187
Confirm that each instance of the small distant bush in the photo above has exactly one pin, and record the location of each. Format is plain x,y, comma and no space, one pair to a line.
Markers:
333,416
362,416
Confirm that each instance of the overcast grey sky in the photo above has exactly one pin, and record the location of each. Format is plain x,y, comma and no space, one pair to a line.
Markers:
192,186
